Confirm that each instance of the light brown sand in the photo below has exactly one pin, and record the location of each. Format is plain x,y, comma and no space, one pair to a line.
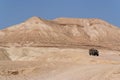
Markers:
60,64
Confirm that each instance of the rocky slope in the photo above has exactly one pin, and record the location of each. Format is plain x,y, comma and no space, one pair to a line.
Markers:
39,49
60,32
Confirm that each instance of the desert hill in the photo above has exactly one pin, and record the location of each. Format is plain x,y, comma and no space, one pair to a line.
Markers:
39,49
60,32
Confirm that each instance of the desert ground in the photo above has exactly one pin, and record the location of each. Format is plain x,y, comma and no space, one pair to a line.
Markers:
53,63
40,49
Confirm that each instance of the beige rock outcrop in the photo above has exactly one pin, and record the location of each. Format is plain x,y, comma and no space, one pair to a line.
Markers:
61,32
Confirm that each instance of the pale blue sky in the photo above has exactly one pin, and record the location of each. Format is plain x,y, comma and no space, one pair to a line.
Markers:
16,11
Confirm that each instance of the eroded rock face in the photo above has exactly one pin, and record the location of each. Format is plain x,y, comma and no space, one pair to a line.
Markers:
4,55
60,32
39,49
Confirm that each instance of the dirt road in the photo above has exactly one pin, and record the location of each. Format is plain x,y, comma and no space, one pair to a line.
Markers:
61,64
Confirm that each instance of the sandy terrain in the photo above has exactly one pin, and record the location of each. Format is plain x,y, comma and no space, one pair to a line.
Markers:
39,49
59,64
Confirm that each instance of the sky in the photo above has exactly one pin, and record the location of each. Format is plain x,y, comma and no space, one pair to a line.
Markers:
16,11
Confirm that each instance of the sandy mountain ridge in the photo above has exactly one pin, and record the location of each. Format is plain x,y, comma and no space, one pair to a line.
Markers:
39,49
60,32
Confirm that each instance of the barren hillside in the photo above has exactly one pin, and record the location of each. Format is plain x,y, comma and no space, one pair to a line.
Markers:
70,32
39,49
